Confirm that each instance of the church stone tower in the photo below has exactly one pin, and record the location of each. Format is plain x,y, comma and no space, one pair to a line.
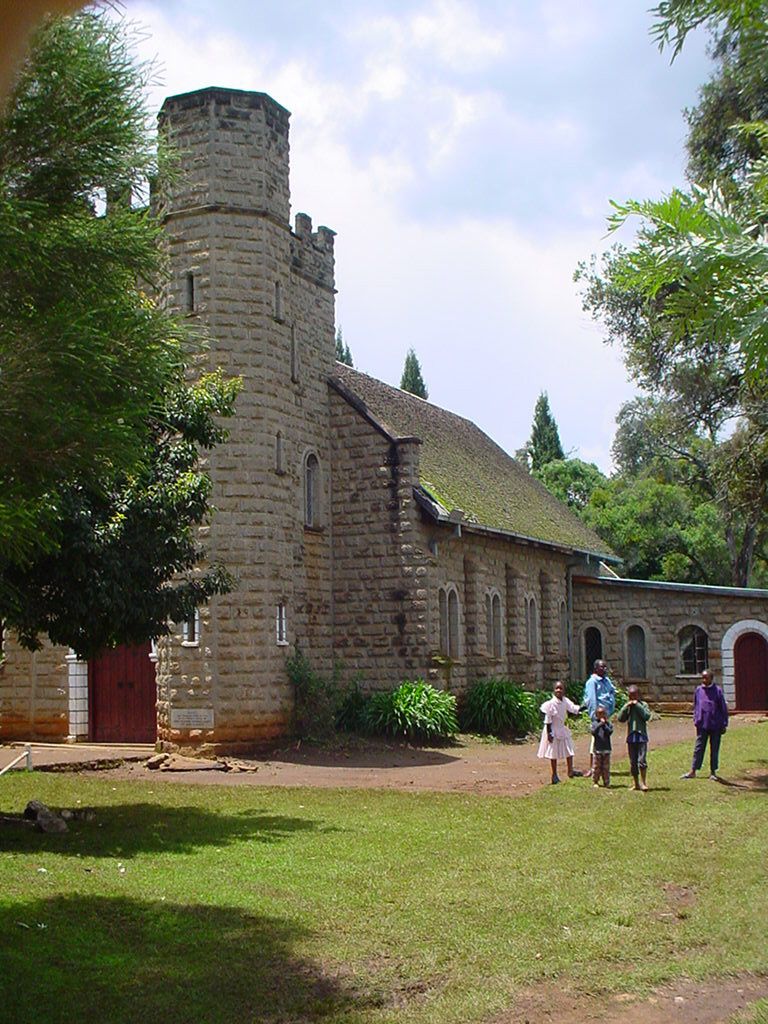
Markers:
264,294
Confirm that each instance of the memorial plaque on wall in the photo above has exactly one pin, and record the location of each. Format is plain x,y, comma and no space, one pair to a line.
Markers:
191,718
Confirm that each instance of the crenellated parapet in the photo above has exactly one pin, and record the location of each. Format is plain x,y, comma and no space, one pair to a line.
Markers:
312,251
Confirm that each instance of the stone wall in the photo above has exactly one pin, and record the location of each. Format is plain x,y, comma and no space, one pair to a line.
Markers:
478,564
662,611
34,697
379,564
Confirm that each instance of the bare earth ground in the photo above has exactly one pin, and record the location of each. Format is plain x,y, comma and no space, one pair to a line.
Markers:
468,766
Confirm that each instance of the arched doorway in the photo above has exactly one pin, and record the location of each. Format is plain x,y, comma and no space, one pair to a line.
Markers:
593,648
122,696
751,672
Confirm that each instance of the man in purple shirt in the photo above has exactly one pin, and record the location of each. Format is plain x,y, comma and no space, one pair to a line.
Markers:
710,716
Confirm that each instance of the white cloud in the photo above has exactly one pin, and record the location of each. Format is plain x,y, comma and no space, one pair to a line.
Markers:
426,104
448,31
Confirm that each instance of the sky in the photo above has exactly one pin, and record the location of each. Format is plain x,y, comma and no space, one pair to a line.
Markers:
465,152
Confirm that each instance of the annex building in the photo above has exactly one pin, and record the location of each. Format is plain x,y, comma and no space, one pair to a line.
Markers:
371,529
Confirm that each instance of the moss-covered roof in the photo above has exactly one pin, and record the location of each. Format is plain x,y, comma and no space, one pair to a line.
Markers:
462,468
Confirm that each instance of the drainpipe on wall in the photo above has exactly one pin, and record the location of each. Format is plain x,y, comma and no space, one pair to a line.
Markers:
569,608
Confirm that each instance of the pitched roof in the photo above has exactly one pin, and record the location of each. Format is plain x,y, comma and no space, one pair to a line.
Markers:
462,468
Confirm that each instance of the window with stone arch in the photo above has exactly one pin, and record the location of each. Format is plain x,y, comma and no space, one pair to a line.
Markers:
312,491
493,624
693,645
448,609
635,653
531,625
593,648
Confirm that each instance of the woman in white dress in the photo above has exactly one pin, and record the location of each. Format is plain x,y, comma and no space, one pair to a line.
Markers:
556,740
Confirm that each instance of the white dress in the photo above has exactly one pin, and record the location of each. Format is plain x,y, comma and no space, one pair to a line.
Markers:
555,713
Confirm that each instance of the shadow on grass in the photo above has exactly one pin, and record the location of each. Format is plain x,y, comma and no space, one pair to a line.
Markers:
124,830
755,778
97,959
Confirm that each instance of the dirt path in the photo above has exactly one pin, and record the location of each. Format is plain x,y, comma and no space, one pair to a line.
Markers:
688,1002
470,766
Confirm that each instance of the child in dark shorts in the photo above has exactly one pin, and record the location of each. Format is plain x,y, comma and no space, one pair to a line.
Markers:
601,763
636,714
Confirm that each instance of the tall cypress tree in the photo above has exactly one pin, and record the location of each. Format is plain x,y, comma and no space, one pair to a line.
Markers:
412,379
343,354
544,445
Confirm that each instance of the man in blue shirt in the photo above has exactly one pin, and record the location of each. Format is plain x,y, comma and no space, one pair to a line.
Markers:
599,692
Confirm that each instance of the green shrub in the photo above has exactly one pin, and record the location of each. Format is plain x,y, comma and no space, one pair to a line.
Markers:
415,710
499,707
350,712
317,699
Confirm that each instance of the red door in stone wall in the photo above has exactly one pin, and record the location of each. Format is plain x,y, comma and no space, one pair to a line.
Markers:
751,672
122,696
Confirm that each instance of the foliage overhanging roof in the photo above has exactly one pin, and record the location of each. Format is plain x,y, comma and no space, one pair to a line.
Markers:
462,468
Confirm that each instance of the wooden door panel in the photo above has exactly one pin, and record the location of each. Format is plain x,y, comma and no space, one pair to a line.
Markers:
123,696
751,671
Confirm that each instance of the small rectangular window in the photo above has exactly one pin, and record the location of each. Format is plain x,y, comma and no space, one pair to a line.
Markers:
190,632
189,292
281,625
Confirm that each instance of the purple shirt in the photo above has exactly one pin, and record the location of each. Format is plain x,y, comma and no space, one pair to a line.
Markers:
710,712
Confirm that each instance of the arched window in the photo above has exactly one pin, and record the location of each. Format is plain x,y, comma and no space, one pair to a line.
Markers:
493,635
593,648
279,454
311,491
497,635
453,623
442,600
694,650
563,627
532,625
278,309
636,653
448,607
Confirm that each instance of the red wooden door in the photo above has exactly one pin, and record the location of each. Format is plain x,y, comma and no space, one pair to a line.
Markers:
123,696
751,657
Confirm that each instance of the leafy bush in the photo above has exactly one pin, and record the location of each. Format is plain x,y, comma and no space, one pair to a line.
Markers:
350,712
317,699
499,707
415,709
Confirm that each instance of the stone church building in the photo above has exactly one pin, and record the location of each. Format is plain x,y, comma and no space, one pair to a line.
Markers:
371,529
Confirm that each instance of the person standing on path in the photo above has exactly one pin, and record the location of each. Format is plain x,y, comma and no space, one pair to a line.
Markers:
636,714
556,739
599,692
601,734
710,717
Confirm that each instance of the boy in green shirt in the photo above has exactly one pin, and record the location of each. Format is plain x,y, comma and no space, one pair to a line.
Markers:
636,714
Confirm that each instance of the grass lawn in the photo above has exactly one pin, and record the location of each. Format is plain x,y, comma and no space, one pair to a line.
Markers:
230,905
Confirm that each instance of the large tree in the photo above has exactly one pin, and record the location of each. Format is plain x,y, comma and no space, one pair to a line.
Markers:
703,252
703,423
544,445
83,348
688,300
100,493
412,379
